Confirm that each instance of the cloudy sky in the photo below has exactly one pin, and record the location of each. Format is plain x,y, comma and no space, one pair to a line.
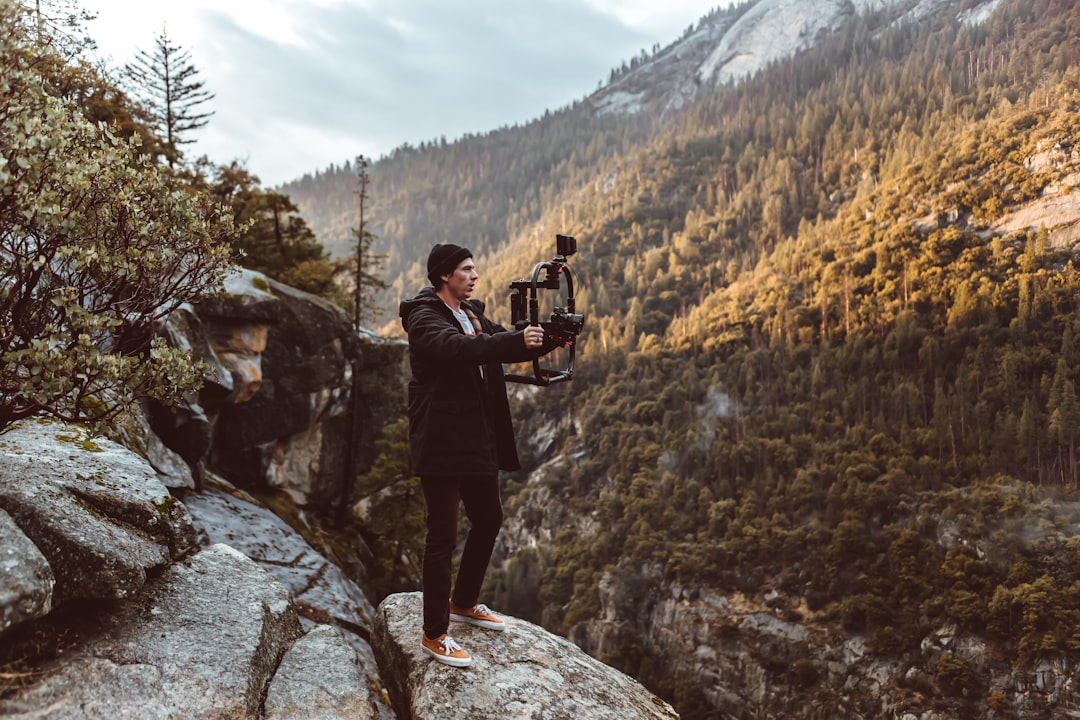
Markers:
301,84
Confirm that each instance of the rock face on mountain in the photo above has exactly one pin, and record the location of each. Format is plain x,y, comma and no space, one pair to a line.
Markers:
319,678
287,427
523,672
765,654
93,510
101,558
274,413
26,593
227,516
175,649
320,590
728,47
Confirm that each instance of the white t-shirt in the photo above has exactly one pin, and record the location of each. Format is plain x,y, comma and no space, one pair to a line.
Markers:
467,326
463,320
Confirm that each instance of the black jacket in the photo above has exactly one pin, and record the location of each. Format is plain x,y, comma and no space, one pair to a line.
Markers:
459,420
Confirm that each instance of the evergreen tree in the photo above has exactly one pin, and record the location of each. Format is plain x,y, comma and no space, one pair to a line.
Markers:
1065,419
367,282
274,239
165,80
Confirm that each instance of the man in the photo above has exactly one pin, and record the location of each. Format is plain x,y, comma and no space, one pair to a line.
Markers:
460,436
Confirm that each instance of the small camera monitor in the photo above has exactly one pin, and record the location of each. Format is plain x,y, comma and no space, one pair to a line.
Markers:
565,245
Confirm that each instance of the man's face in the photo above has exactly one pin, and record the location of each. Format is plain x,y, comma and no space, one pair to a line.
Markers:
461,283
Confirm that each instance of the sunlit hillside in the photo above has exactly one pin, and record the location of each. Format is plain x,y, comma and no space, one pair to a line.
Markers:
830,365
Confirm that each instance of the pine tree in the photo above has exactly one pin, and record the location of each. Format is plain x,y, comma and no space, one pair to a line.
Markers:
368,283
165,81
1064,419
274,239
1029,435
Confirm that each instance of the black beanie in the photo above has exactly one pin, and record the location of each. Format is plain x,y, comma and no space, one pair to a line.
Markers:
444,259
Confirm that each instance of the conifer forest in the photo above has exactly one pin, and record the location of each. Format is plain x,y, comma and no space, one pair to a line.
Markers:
821,358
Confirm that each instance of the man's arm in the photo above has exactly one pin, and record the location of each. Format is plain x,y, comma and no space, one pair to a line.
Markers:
431,333
531,351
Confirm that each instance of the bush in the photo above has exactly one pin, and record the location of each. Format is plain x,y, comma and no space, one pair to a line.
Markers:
95,247
955,676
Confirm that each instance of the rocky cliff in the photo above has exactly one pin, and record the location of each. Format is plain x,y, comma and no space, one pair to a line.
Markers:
728,47
523,672
122,598
768,653
274,413
119,602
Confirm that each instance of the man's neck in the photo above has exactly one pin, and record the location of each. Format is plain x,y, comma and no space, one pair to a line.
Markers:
454,303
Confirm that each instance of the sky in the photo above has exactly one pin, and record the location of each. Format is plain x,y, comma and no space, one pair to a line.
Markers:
302,84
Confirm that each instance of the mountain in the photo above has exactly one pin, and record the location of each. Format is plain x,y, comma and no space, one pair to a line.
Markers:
409,210
727,47
819,457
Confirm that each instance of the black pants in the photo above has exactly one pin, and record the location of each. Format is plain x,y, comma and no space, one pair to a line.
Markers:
483,507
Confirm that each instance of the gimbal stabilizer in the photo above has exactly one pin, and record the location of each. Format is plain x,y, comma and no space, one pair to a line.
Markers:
564,326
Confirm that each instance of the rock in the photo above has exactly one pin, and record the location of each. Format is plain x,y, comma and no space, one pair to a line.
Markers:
320,677
321,591
239,347
94,509
274,413
185,428
275,404
26,580
172,470
184,329
292,433
136,433
254,530
524,672
201,641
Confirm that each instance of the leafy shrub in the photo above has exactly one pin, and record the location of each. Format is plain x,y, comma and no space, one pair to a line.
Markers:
955,676
96,245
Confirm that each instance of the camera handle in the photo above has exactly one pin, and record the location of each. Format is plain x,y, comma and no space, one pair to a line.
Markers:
546,376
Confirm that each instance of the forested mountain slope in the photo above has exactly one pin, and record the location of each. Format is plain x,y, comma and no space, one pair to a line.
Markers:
493,188
830,368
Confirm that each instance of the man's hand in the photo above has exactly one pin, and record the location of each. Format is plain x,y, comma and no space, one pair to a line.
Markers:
534,336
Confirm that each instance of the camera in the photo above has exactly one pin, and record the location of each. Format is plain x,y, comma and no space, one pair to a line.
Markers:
563,325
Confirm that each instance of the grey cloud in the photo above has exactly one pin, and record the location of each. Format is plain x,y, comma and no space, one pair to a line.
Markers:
451,72
372,79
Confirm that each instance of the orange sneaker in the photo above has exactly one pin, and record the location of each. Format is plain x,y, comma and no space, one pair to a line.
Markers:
446,651
479,615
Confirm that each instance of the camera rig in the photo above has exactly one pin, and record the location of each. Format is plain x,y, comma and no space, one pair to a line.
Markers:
564,325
